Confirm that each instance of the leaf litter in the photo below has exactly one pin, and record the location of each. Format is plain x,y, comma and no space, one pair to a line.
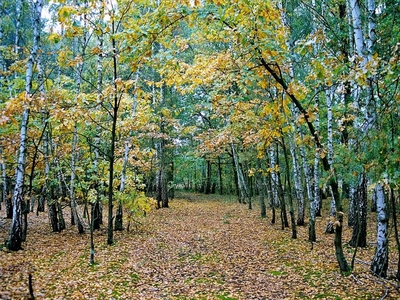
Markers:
201,247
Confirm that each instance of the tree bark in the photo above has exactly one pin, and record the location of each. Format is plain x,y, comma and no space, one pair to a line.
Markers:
298,186
291,207
261,189
379,263
15,240
243,189
359,236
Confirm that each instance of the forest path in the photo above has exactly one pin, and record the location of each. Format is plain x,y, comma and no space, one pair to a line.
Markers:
199,248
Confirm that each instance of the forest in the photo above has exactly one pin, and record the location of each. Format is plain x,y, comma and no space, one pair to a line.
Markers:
199,149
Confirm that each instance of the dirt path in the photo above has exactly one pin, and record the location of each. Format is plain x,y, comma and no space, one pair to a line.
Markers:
197,249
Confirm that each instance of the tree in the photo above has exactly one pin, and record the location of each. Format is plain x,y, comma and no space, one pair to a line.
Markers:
379,263
15,239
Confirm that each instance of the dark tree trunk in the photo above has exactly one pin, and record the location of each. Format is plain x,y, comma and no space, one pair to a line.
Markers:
396,231
236,180
61,221
52,207
291,207
220,176
164,190
208,177
373,201
261,191
268,184
9,207
284,219
96,215
118,219
41,200
213,188
359,236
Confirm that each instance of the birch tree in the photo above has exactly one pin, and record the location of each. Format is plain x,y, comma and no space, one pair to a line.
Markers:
14,243
379,263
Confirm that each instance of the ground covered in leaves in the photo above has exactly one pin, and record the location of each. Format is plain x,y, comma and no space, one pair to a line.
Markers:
199,248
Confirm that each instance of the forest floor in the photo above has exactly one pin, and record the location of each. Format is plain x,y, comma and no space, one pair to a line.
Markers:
199,248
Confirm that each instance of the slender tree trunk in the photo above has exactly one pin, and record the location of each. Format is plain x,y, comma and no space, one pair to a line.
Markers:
97,217
379,263
111,155
208,177
244,191
221,189
359,236
261,190
352,216
118,226
274,177
15,240
291,207
75,217
332,212
4,184
396,231
373,201
282,202
298,186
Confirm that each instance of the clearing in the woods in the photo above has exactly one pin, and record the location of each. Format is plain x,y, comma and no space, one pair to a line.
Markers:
199,248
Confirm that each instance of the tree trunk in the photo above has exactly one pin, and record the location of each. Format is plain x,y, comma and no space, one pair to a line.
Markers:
75,218
291,208
220,176
244,191
373,201
298,187
332,212
4,181
352,216
118,218
261,190
111,154
281,193
15,240
274,177
118,226
379,263
396,231
359,236
267,183
208,177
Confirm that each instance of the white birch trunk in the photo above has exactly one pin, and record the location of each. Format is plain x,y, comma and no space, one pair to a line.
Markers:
316,190
379,263
329,104
3,177
297,185
244,192
364,51
357,29
15,240
274,177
